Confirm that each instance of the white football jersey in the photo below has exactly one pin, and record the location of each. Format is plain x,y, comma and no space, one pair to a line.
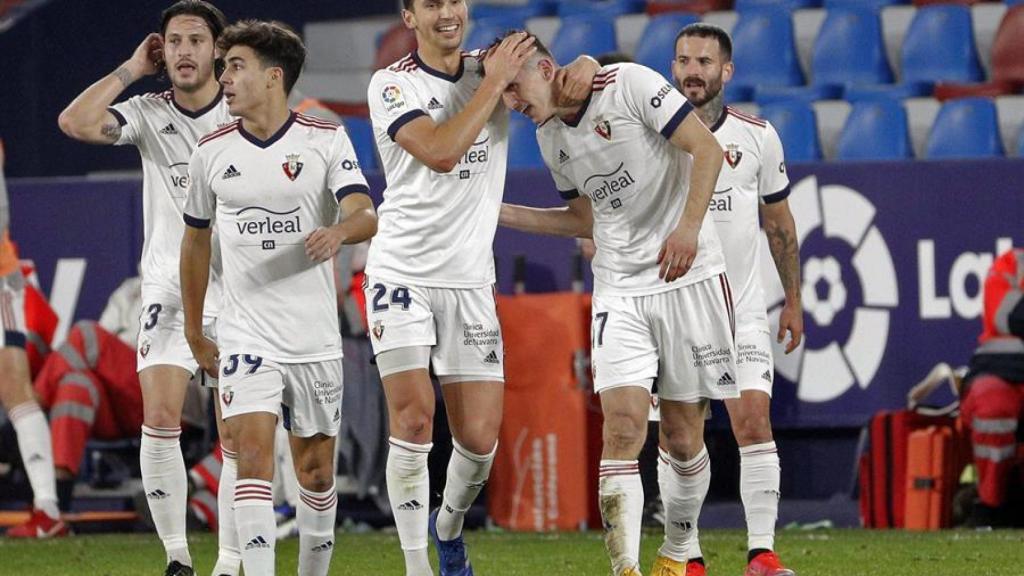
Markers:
435,229
166,134
617,153
754,173
266,197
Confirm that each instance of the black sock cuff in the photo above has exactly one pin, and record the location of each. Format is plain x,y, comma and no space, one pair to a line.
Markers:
754,553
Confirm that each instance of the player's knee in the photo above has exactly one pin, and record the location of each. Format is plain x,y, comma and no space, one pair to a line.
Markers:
413,424
160,415
622,433
255,460
753,429
479,435
316,478
681,442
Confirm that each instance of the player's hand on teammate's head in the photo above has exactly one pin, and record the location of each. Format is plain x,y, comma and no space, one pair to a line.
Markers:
791,320
574,82
148,58
505,59
678,253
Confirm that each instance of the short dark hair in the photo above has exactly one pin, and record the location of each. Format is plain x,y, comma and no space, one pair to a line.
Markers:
704,30
212,15
407,4
274,42
609,58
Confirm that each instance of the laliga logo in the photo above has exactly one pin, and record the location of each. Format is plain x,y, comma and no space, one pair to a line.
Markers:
854,329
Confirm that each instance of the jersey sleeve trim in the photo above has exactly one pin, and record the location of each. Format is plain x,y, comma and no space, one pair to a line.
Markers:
670,127
402,121
196,222
351,189
569,194
778,196
121,121
15,339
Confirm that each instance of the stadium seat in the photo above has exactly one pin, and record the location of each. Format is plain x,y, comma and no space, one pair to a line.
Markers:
606,8
523,150
521,11
889,91
1008,47
875,130
868,4
939,46
797,127
965,128
657,44
583,35
696,6
756,63
787,5
764,95
360,132
933,2
850,50
394,44
486,30
1020,142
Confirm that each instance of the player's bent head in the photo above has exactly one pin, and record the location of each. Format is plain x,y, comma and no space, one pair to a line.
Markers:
278,49
532,92
209,13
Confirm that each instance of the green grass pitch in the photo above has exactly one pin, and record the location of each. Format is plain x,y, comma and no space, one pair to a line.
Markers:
816,553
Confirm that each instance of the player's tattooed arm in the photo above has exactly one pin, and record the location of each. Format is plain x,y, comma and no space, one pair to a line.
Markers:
111,131
124,76
785,248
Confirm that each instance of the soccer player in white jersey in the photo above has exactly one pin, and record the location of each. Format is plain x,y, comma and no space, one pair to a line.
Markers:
16,395
165,128
273,182
637,169
443,137
753,180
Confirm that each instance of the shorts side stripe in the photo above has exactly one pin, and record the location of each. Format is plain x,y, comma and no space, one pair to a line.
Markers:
723,282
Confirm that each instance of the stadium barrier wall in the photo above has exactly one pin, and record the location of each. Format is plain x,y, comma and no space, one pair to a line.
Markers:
894,258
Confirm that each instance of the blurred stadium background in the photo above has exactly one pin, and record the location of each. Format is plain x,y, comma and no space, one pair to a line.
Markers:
903,127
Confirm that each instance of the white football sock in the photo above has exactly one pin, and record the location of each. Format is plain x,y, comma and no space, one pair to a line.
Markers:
257,527
229,557
409,493
467,475
621,499
684,485
166,486
316,516
759,489
37,455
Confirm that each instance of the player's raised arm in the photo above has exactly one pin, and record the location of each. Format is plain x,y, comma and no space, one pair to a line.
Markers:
441,146
575,220
87,118
680,249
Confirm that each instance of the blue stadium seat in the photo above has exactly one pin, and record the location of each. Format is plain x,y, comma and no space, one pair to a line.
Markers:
875,130
486,30
797,127
939,46
1020,138
849,49
763,50
869,4
657,44
787,5
360,132
771,94
886,91
583,35
965,128
523,150
529,9
606,8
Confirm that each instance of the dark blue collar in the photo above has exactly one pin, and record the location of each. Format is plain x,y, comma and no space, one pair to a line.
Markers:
201,111
269,141
433,72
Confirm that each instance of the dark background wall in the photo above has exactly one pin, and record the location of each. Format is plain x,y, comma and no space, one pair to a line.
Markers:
47,58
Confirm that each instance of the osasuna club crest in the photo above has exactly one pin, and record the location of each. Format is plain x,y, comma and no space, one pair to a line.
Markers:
603,129
227,396
292,166
733,154
378,330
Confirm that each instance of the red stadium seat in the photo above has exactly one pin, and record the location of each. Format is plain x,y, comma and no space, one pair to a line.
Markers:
696,6
1008,47
394,44
950,90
